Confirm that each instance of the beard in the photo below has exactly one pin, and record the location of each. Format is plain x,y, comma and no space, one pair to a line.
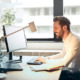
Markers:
60,34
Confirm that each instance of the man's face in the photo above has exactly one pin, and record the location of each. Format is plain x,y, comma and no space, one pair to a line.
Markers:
58,30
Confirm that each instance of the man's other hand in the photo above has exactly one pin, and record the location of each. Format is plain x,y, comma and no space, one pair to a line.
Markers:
41,59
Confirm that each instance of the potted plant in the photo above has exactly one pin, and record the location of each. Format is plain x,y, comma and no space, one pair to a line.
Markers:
8,17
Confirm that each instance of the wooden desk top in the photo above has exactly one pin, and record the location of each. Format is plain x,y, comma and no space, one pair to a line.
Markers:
28,74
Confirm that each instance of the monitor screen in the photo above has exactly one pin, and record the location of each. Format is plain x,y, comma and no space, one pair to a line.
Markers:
15,41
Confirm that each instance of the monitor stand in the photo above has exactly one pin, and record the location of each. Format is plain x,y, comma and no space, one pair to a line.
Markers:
11,58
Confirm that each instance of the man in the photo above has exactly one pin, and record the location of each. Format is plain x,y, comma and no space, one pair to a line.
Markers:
71,50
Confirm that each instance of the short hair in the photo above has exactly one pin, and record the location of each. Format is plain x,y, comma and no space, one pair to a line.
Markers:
62,21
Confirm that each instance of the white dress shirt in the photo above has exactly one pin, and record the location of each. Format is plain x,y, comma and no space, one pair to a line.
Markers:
70,53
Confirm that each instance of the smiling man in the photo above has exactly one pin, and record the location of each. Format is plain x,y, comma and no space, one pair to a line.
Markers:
71,49
61,27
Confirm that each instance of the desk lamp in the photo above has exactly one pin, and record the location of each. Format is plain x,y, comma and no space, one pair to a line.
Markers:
32,28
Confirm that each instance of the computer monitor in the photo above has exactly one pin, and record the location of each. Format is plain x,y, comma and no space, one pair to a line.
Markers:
16,41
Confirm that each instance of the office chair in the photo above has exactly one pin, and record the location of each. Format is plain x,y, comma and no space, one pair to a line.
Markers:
70,73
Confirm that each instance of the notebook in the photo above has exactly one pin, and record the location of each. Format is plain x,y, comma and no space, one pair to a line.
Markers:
45,67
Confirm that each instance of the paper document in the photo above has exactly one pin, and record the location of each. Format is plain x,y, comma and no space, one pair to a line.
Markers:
45,67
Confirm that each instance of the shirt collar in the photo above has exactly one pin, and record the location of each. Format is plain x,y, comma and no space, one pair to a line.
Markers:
68,37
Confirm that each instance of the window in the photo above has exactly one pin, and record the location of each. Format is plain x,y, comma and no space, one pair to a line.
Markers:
26,11
72,11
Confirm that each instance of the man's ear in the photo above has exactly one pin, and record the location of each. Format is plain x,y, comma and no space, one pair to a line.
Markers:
65,27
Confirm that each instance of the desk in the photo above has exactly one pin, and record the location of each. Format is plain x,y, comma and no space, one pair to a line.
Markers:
27,74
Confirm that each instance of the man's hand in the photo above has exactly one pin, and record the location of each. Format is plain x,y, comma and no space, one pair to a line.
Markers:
41,59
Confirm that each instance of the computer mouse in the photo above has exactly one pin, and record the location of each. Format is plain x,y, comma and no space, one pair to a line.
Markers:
3,75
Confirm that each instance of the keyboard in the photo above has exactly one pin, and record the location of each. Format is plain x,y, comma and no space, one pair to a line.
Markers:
11,66
32,62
